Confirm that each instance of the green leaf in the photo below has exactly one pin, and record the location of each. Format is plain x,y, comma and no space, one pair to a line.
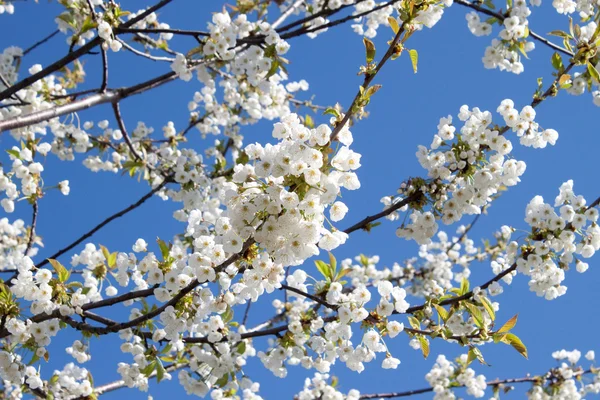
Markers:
147,371
332,263
488,307
160,371
372,90
475,353
414,322
476,314
111,259
222,381
414,58
88,24
61,271
442,312
557,61
241,348
273,70
332,111
471,356
342,273
489,4
15,153
508,325
424,346
593,72
194,51
308,121
164,248
370,50
227,316
517,344
323,269
464,286
561,34
393,24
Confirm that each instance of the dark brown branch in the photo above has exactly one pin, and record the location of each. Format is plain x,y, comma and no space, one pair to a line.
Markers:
501,17
121,124
495,382
74,55
143,318
44,40
108,220
365,222
34,207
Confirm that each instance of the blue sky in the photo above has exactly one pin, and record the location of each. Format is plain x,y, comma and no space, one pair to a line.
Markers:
403,115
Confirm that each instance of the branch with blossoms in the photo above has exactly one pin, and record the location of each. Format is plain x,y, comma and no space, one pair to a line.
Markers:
264,210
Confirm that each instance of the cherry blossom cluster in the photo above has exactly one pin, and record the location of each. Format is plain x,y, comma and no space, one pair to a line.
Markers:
281,194
315,342
8,69
76,21
563,382
7,7
429,274
252,80
505,52
559,238
585,8
582,81
318,387
467,169
445,374
13,243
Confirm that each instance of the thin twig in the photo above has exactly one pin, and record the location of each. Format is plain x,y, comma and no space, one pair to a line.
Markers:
44,40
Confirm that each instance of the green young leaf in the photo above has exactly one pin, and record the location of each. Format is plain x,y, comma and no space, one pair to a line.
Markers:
370,50
147,371
164,248
342,273
557,61
508,325
488,307
442,312
561,34
424,346
475,353
414,322
564,81
111,259
222,381
332,111
160,371
593,72
15,153
414,58
393,24
471,356
323,269
227,316
273,70
333,263
464,286
62,273
372,90
105,252
517,344
241,348
308,121
476,314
